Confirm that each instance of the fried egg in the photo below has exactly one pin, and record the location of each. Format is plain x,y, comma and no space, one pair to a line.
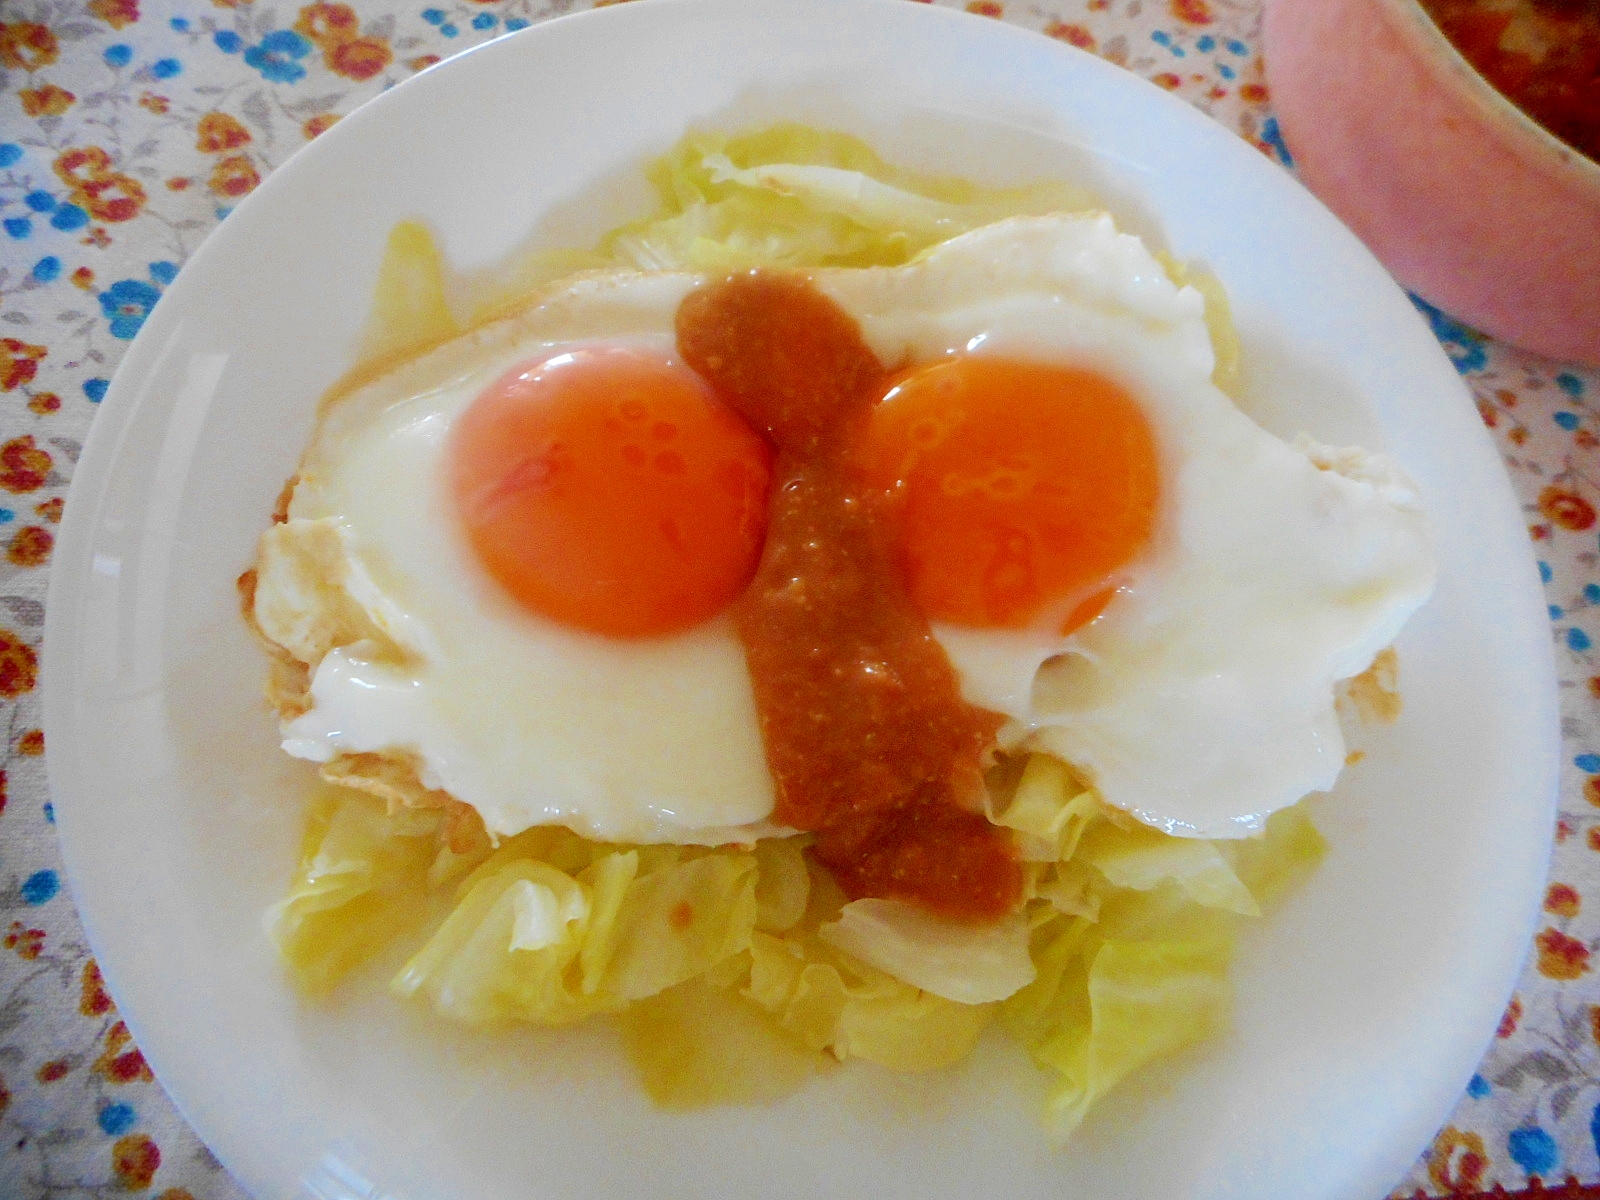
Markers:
1114,557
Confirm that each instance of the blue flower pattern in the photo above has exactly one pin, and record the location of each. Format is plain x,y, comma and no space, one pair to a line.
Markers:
277,56
126,303
1539,1089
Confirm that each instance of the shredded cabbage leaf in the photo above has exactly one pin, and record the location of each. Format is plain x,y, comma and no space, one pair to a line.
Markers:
736,974
972,964
1106,1007
791,196
696,1044
362,881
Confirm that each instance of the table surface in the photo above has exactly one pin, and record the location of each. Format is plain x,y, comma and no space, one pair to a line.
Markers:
129,128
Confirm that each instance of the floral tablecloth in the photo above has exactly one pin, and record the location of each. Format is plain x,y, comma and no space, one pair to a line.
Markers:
130,128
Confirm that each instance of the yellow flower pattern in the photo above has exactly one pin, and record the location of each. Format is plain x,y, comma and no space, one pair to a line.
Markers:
129,128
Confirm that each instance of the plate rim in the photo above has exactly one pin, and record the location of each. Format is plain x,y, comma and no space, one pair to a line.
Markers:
60,661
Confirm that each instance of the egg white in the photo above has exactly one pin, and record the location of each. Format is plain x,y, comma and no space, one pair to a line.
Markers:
649,740
1200,701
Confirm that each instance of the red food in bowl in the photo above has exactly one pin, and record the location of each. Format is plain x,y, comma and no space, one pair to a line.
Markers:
1467,199
1542,55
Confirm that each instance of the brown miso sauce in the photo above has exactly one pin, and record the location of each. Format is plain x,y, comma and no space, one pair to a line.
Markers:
868,740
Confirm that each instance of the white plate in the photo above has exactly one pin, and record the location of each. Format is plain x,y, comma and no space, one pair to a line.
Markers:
1363,1006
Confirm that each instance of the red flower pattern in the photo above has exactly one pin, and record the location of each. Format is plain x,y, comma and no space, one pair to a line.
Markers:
27,942
1562,900
134,1161
318,125
93,999
1566,508
1509,1019
1072,34
345,50
122,1061
23,466
30,546
1561,956
97,187
360,58
115,13
217,131
27,45
46,101
234,176
112,193
19,666
1457,1162
19,363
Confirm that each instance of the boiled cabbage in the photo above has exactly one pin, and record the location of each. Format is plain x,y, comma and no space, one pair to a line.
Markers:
972,964
738,973
362,881
790,196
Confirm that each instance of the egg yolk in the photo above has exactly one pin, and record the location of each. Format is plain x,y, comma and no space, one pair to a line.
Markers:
1021,489
610,490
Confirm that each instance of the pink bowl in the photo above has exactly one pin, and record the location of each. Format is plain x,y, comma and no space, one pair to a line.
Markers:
1465,199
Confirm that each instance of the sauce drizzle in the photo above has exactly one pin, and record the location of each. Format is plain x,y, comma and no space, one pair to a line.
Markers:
868,740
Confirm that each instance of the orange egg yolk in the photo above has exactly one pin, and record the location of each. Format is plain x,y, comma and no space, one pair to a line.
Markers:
608,489
1022,489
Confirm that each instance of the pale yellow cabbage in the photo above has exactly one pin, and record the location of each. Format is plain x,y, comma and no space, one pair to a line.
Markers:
680,921
1132,952
509,951
1049,809
783,883
1281,859
696,1045
729,968
529,941
1141,858
790,196
362,880
972,964
1102,1008
910,1030
739,973
831,1001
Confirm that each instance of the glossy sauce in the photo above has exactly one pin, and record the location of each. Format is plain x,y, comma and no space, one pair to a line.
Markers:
868,740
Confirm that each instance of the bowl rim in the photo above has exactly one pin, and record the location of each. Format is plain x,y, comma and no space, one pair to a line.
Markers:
1441,54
